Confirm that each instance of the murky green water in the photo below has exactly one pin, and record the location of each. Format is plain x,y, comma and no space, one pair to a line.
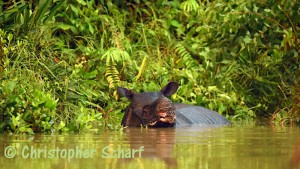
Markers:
191,147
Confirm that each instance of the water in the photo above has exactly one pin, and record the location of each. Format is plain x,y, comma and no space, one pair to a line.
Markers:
255,147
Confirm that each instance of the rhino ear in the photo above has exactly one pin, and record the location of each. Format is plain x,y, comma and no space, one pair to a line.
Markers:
125,92
170,89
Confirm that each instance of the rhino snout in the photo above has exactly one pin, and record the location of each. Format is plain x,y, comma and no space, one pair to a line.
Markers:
161,113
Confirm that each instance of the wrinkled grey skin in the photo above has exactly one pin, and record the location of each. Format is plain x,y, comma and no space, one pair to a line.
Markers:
154,109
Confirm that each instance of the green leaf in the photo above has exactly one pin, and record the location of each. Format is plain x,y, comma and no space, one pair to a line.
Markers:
222,108
40,11
51,104
66,26
10,86
175,23
90,75
267,10
82,2
54,10
29,130
255,8
10,37
91,28
61,125
247,39
74,9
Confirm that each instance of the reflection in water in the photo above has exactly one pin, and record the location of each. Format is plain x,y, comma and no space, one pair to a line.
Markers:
158,143
187,147
295,161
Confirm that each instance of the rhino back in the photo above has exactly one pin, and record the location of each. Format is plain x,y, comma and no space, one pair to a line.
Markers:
190,115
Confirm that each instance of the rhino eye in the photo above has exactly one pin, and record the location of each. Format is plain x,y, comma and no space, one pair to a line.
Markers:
146,110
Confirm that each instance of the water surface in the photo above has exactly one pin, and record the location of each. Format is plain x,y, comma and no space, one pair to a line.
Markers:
255,147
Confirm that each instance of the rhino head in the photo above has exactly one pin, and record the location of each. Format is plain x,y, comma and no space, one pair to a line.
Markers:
152,109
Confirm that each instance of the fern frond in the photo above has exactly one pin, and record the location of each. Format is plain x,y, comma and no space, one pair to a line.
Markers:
112,75
113,56
182,51
189,5
184,55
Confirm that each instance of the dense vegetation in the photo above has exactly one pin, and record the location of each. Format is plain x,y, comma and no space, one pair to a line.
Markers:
60,62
